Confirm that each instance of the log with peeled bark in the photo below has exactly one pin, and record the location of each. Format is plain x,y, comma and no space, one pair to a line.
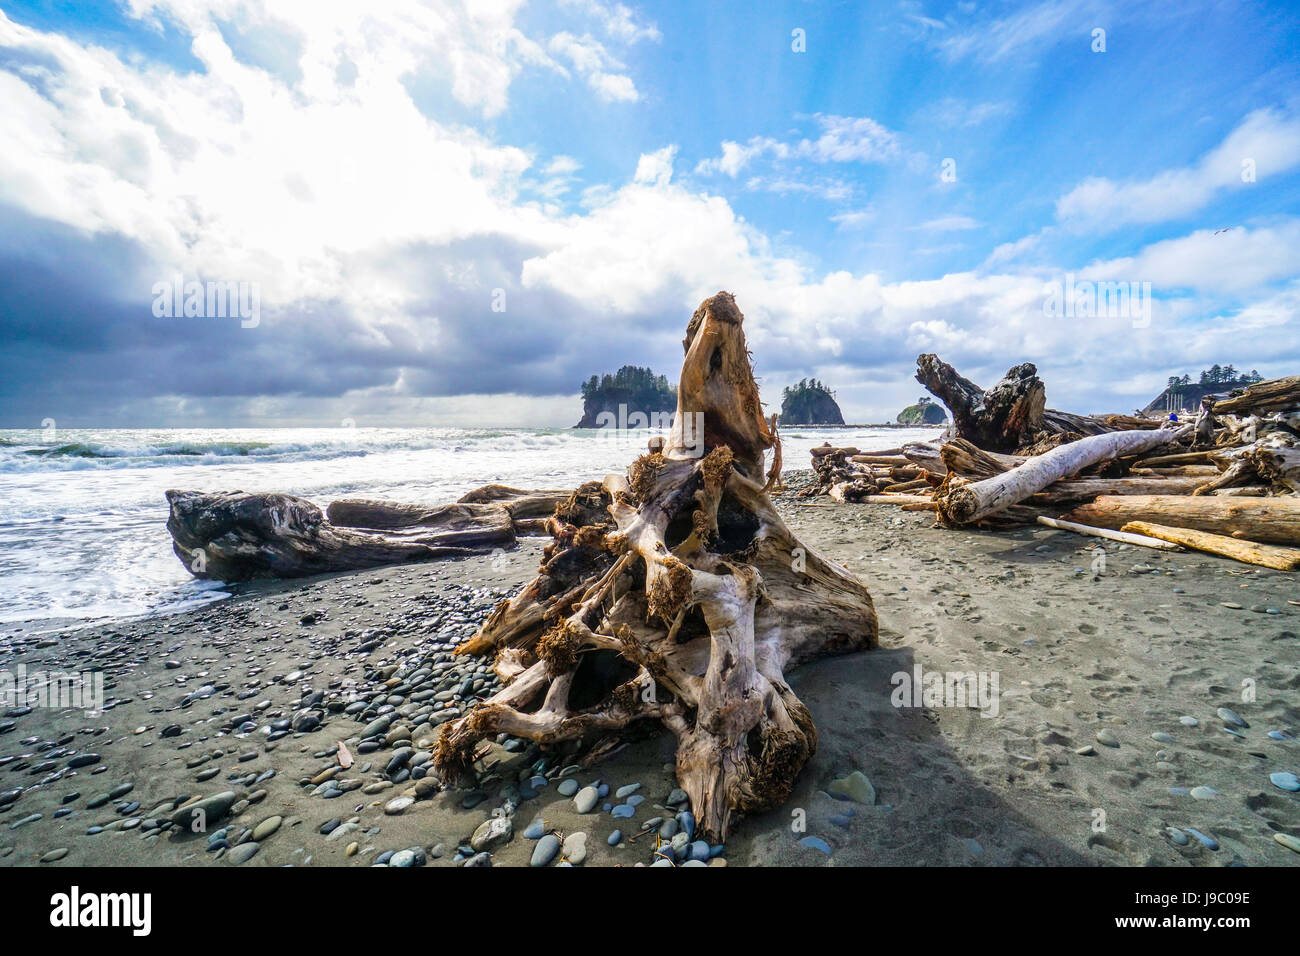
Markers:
1176,471
964,502
1124,537
234,536
1248,552
676,595
1268,520
1009,416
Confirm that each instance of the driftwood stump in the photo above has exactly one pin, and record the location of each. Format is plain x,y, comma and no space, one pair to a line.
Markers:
678,595
1011,416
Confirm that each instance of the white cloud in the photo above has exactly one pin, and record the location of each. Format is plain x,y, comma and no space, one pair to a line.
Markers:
843,139
595,64
1207,261
1266,139
948,224
951,112
617,20
854,218
1035,28
656,168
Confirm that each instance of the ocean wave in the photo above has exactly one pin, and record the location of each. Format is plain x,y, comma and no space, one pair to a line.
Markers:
91,450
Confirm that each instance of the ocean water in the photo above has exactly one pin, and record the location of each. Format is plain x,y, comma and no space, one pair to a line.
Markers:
83,532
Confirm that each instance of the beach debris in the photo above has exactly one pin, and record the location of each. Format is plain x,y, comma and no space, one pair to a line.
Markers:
676,594
1008,461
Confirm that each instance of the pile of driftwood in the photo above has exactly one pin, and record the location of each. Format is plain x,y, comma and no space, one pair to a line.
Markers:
1227,483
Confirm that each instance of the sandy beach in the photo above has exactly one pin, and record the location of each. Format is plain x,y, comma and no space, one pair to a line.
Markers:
1130,698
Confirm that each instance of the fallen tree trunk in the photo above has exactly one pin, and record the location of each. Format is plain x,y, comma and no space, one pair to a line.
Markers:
519,503
1167,461
1263,396
1268,520
237,536
1248,552
678,596
962,502
1074,490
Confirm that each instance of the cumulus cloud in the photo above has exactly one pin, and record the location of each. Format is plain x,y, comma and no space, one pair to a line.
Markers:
1266,143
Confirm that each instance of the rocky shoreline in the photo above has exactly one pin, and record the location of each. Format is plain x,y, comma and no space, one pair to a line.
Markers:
1146,715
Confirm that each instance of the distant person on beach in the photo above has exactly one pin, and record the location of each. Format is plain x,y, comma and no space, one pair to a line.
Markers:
1173,416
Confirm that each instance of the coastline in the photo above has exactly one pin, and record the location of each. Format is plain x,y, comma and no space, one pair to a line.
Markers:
1081,661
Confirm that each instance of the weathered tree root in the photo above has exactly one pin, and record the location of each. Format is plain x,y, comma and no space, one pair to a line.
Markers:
677,594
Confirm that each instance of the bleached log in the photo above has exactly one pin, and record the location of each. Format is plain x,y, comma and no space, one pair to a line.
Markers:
1168,461
1248,552
1073,490
927,455
962,502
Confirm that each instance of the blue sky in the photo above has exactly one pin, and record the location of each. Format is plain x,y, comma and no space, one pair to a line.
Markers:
604,166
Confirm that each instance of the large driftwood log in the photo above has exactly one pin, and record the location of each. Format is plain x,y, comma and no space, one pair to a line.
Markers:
1275,393
963,502
1074,490
236,536
1248,552
1270,520
676,595
1009,416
